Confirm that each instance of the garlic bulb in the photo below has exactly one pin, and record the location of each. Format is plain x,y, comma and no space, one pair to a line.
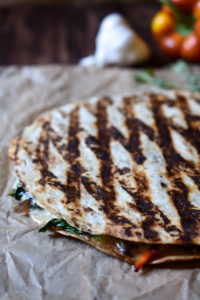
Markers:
117,43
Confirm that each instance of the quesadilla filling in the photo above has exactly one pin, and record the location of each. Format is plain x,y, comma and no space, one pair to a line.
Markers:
135,254
26,199
121,248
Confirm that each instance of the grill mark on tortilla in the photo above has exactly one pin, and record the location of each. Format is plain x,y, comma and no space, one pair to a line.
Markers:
190,216
107,193
164,139
132,144
17,149
108,207
143,203
42,156
101,147
118,136
104,144
73,193
147,130
179,194
189,167
123,171
57,184
147,208
93,143
132,124
47,177
62,149
192,135
45,142
55,139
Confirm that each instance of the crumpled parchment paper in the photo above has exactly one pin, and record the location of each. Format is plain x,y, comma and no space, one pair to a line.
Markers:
43,266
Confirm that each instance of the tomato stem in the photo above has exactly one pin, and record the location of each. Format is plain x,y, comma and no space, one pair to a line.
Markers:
184,21
176,12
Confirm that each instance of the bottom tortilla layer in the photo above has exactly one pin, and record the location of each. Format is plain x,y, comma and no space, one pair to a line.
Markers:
129,252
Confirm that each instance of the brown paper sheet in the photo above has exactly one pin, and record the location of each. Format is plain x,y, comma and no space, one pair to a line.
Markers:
38,266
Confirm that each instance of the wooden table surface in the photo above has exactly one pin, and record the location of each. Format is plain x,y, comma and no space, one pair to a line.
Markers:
45,34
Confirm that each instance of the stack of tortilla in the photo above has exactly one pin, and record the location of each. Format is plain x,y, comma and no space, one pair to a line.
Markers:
122,171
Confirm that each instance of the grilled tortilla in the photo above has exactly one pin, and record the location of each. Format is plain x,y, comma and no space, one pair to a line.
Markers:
126,167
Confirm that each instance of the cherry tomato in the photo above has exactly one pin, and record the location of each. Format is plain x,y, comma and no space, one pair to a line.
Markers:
190,49
171,44
162,24
196,10
177,32
197,29
184,5
167,10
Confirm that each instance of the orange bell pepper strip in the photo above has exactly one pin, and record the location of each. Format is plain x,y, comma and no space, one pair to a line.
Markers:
147,256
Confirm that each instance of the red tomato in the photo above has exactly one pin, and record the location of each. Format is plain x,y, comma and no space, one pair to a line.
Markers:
197,29
196,10
190,49
171,44
184,5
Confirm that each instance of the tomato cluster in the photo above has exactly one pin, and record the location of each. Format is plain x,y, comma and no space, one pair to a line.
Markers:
176,29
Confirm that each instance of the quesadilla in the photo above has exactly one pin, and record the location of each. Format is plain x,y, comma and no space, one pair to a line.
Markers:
120,170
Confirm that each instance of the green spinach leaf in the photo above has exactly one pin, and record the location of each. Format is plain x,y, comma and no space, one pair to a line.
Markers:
60,224
18,192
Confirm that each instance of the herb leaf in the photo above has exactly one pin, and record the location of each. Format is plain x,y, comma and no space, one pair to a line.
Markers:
35,206
97,238
147,76
183,28
194,82
12,193
181,67
60,224
162,83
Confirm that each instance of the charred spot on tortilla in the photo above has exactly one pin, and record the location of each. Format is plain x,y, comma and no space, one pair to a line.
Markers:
125,167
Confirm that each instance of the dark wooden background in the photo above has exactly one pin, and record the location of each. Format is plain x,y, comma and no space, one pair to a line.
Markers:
44,34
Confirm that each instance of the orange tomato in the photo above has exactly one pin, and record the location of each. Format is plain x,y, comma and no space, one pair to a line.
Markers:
162,24
171,44
190,49
184,5
166,9
196,10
